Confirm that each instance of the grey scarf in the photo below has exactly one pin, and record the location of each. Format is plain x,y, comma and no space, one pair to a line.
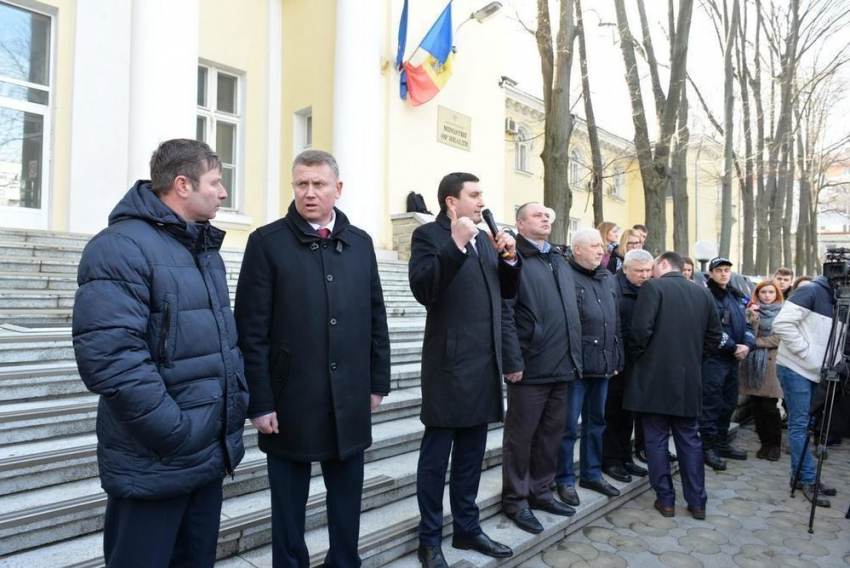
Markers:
754,366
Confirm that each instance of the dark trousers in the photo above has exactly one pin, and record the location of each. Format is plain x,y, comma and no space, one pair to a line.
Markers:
719,396
617,438
534,426
656,429
767,419
638,431
290,486
466,447
179,531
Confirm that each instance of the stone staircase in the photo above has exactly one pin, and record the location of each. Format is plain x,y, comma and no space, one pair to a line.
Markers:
51,504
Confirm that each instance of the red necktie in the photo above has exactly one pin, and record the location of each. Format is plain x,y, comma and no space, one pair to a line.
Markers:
324,232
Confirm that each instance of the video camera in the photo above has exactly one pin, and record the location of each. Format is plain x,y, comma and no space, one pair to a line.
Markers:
836,269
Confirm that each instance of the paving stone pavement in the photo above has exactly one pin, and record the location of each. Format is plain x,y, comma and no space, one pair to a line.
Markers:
752,522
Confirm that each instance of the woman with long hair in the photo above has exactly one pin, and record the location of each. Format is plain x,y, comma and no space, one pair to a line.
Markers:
757,372
629,241
610,238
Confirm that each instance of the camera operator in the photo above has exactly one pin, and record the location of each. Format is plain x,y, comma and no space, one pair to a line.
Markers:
803,326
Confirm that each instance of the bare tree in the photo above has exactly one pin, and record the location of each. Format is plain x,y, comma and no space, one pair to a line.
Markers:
556,64
728,121
596,171
654,162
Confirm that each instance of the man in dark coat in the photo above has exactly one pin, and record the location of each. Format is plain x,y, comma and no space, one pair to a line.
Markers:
617,459
674,328
456,273
313,329
602,358
541,354
720,371
154,336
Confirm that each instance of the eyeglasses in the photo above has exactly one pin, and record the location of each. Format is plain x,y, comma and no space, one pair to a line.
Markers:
633,243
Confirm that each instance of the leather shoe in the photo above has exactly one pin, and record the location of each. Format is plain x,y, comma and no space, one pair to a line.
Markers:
665,510
555,507
600,486
641,455
432,557
726,450
526,520
809,493
617,472
568,495
698,514
483,544
712,460
635,469
824,489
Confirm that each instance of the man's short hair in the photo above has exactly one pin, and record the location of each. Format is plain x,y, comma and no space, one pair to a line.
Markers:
783,271
637,256
520,212
451,186
674,259
180,157
316,158
585,236
640,227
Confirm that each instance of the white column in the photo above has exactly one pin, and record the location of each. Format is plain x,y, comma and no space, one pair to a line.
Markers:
357,116
100,110
274,75
163,77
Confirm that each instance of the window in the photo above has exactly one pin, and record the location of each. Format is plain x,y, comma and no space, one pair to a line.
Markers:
573,227
24,106
576,169
219,124
302,125
617,182
523,143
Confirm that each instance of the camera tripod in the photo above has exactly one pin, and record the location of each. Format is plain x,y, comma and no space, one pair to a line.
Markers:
831,370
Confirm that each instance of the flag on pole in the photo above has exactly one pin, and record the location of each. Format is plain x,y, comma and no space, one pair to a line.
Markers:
430,67
399,58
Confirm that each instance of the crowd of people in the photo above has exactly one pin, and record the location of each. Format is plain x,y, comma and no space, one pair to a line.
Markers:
593,344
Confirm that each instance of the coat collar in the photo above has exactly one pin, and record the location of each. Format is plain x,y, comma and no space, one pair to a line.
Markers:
626,287
526,247
721,293
306,233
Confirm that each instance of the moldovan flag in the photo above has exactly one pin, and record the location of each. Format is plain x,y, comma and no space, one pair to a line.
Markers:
433,66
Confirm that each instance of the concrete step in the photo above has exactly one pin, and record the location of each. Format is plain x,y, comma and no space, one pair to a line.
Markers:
38,281
36,299
47,462
43,515
245,516
49,419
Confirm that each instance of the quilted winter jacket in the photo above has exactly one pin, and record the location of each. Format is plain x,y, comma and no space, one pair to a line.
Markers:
154,336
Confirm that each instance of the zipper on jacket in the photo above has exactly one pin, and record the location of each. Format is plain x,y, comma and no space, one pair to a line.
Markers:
166,331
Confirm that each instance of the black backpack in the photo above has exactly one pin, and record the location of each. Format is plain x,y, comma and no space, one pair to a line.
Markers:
416,203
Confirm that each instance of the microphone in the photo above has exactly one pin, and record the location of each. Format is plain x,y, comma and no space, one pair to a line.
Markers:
491,224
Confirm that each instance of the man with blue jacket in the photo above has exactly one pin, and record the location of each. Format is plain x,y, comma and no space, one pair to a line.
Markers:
155,337
720,371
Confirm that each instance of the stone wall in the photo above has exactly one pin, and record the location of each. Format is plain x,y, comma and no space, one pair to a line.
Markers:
403,226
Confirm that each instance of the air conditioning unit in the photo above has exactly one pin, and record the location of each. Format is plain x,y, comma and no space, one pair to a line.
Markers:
510,126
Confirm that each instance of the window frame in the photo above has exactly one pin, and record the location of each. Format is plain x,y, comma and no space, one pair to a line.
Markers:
212,116
40,215
575,171
523,145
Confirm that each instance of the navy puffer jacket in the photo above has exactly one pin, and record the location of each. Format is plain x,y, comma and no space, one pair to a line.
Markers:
154,335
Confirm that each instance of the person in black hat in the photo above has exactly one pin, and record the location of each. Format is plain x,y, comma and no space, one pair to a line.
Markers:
720,371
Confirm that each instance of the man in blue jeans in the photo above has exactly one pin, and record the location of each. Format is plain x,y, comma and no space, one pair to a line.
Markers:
602,355
803,327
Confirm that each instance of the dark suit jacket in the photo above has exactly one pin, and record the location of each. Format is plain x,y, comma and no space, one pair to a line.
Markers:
462,351
674,328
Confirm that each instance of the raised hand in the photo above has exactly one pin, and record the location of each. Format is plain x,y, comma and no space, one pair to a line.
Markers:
463,229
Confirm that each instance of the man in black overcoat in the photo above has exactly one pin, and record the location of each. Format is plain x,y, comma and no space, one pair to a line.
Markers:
542,354
313,330
674,328
457,274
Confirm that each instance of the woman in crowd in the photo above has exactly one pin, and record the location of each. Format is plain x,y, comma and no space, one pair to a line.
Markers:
611,239
688,271
758,371
629,241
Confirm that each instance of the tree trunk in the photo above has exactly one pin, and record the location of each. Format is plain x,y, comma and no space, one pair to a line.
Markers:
596,173
788,214
728,125
559,122
681,237
747,198
778,206
762,243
